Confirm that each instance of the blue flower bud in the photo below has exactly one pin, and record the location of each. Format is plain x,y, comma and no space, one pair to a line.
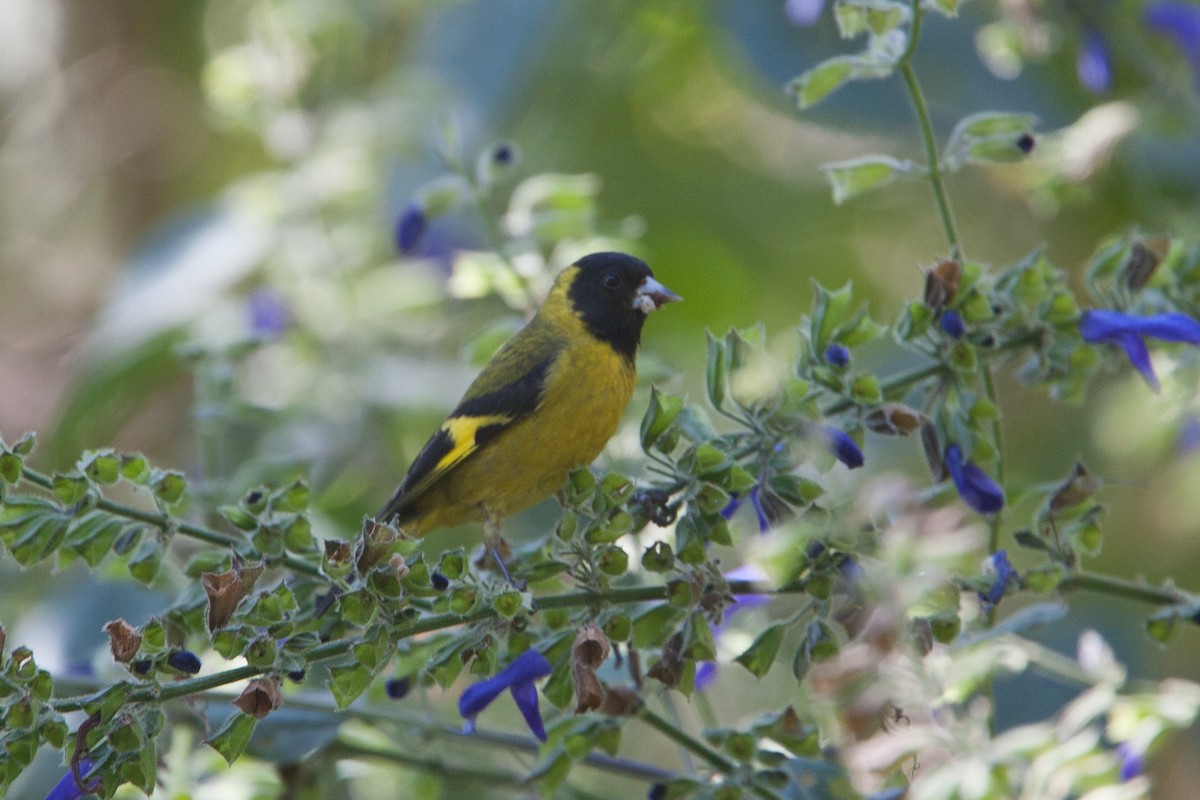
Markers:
1132,763
803,13
836,355
410,227
185,661
1002,575
503,154
844,448
952,323
1093,65
267,315
397,688
975,486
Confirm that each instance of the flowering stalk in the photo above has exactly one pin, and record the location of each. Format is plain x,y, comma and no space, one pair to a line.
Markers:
927,137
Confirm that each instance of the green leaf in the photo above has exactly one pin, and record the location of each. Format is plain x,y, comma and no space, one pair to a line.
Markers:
143,772
612,560
53,730
11,466
865,389
816,84
294,498
102,466
559,688
653,627
760,655
39,539
856,176
716,376
947,8
70,487
876,17
821,641
145,562
877,61
92,536
359,608
550,772
830,310
168,486
507,604
663,410
698,641
238,517
990,136
134,468
25,444
231,738
347,682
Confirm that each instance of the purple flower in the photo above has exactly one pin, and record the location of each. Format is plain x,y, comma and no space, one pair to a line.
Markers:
1132,763
68,788
1188,441
844,448
518,678
706,671
1093,65
1179,22
1002,575
267,315
803,13
1126,330
975,486
952,324
735,503
410,227
836,355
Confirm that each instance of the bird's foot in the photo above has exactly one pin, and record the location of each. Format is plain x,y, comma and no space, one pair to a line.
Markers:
496,554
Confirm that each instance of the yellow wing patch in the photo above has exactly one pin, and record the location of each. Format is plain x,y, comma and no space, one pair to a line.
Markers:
455,440
461,431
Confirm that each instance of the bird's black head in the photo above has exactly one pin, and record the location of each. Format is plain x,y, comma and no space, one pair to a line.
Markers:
613,293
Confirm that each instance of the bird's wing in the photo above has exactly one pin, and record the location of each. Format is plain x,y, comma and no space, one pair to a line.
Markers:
509,388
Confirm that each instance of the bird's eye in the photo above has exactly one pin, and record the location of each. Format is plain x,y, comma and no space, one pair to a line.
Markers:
611,281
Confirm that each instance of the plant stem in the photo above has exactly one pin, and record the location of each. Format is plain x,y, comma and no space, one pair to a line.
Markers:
989,389
931,155
167,523
714,758
437,766
433,622
1119,587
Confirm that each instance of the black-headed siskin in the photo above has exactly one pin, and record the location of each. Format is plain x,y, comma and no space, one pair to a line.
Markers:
547,402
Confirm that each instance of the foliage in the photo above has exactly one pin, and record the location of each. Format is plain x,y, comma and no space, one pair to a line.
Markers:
893,608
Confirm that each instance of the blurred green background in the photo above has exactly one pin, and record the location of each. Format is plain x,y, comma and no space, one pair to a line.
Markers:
161,163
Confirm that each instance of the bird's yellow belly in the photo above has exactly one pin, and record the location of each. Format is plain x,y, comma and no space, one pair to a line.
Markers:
586,395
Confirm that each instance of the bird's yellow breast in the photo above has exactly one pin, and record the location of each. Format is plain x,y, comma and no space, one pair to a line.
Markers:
587,389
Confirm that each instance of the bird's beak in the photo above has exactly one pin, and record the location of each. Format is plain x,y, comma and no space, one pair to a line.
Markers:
652,295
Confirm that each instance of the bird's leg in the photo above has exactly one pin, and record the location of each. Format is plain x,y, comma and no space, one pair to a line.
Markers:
497,548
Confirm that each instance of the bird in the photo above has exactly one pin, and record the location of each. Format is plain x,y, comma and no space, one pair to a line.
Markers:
547,402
